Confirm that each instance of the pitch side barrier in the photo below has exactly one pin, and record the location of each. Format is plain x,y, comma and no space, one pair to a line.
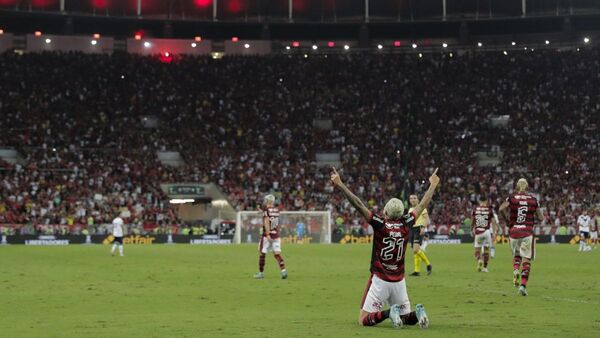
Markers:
58,240
455,239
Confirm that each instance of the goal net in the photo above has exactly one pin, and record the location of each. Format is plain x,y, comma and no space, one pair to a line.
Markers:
295,227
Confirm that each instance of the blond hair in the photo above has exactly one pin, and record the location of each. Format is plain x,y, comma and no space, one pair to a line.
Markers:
270,199
522,185
394,209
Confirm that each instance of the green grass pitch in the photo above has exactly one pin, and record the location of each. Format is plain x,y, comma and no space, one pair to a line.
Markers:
208,291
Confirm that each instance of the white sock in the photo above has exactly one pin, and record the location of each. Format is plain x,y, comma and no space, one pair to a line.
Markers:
580,245
121,250
114,247
424,246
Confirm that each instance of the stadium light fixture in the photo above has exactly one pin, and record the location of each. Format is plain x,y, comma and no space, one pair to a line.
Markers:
167,54
414,45
445,45
346,47
94,42
586,40
397,43
420,55
379,46
513,43
330,44
451,55
137,36
198,38
246,45
287,47
524,48
547,42
147,44
48,41
315,47
1,31
96,36
306,56
193,45
235,39
37,33
505,52
295,44
181,200
479,44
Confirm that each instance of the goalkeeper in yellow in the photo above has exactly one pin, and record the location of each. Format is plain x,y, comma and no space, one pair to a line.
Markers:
416,237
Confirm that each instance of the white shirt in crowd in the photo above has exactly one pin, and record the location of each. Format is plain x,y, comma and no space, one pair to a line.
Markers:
117,230
584,222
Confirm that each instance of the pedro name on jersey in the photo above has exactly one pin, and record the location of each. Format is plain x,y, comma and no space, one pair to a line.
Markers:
272,214
390,238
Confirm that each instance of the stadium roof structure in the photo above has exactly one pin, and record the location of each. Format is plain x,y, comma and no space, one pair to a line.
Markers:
303,20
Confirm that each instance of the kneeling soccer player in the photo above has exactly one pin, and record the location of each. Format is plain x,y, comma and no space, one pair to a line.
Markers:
387,284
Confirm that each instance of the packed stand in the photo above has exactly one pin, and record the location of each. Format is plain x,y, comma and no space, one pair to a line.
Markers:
246,124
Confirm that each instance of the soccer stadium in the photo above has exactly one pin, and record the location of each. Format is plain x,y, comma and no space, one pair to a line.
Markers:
299,168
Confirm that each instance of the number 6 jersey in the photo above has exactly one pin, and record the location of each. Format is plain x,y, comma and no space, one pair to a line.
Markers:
390,238
523,208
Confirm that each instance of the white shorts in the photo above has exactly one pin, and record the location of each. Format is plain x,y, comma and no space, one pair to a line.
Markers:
483,239
264,245
594,235
524,247
378,293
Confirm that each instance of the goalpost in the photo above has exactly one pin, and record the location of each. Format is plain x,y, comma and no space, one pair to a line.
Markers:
316,225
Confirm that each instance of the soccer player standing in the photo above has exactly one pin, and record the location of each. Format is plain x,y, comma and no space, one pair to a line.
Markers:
390,237
270,238
117,232
583,223
417,235
594,232
520,209
482,230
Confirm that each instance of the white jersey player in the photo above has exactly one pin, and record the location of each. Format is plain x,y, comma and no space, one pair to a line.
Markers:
583,222
117,232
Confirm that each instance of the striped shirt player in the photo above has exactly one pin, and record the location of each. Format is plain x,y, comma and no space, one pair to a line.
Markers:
391,233
583,223
483,219
594,230
270,240
117,232
521,210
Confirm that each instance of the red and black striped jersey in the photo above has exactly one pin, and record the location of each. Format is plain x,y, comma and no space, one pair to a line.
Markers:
390,238
272,214
523,208
482,219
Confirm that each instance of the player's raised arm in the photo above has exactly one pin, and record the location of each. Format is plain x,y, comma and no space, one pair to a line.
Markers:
434,180
353,199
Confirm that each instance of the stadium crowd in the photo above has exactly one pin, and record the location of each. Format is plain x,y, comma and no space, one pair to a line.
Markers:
252,125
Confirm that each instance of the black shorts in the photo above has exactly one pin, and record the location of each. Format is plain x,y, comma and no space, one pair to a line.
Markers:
118,240
415,236
584,234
